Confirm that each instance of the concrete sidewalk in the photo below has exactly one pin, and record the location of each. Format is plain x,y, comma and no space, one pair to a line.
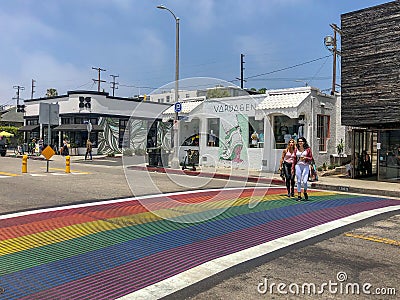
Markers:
332,182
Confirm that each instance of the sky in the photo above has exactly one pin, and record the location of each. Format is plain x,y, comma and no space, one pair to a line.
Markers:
58,43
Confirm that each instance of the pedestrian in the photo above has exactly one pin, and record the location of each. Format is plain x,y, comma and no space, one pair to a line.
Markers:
65,150
301,166
286,162
89,146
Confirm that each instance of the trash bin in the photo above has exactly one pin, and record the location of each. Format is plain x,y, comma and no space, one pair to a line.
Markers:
153,156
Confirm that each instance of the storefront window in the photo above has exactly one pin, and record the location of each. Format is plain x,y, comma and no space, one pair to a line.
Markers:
256,133
286,128
389,155
323,131
213,132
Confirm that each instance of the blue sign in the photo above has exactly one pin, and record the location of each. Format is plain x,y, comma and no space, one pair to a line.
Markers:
178,107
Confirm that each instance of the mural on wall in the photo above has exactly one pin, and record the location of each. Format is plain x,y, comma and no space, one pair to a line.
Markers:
164,135
134,140
137,136
233,140
108,139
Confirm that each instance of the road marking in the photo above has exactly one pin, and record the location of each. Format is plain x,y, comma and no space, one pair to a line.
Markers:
374,239
37,175
9,174
72,171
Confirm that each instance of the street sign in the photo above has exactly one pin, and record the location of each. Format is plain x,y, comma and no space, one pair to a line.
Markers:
178,107
49,113
48,152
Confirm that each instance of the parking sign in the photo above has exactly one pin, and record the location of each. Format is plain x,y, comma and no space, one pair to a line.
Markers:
178,107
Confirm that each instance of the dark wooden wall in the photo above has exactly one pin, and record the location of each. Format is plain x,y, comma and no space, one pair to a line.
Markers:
371,66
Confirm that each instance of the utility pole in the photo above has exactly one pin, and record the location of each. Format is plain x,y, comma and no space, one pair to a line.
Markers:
332,42
114,84
242,62
33,88
98,80
18,88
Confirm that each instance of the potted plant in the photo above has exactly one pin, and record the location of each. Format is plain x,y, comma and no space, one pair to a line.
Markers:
340,148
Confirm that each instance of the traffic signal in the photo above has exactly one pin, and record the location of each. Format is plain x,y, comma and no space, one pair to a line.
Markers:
85,102
21,108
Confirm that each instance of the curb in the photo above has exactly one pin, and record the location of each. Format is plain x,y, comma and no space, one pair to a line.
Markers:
253,179
350,189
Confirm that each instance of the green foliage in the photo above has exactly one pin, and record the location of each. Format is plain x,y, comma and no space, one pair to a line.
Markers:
18,137
340,147
331,167
319,169
324,166
217,93
51,92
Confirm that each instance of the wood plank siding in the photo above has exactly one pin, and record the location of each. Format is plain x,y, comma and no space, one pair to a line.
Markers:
371,66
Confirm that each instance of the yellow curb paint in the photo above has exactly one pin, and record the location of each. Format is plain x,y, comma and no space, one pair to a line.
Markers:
9,174
374,239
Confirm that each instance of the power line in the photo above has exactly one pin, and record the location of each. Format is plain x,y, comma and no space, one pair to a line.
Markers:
287,68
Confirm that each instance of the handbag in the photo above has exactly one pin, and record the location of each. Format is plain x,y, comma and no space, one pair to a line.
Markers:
282,174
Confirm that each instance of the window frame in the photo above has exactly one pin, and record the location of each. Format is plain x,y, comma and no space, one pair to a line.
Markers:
323,131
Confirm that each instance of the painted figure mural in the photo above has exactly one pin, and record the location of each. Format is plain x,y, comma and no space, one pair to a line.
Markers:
232,140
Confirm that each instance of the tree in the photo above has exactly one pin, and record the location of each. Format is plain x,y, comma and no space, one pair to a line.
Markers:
217,93
262,90
51,93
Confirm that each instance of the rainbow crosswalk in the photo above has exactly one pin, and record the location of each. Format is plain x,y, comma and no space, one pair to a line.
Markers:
111,249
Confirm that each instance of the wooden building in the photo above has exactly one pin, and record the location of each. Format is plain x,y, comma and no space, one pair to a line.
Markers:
371,88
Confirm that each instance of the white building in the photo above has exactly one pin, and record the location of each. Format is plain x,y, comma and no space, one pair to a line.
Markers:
222,129
111,118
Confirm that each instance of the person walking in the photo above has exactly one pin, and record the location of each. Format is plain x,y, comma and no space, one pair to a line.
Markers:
301,166
286,162
89,146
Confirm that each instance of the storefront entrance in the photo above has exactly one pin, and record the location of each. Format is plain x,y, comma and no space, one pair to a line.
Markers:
389,155
364,153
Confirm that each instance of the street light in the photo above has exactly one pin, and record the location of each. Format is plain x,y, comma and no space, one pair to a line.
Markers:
175,159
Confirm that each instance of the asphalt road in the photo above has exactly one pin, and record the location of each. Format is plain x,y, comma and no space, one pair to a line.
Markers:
367,252
100,179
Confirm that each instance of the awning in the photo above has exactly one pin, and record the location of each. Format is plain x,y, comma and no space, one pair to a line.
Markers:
29,128
285,101
187,108
77,127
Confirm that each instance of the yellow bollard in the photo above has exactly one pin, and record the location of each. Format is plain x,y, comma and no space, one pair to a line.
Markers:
68,164
25,164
